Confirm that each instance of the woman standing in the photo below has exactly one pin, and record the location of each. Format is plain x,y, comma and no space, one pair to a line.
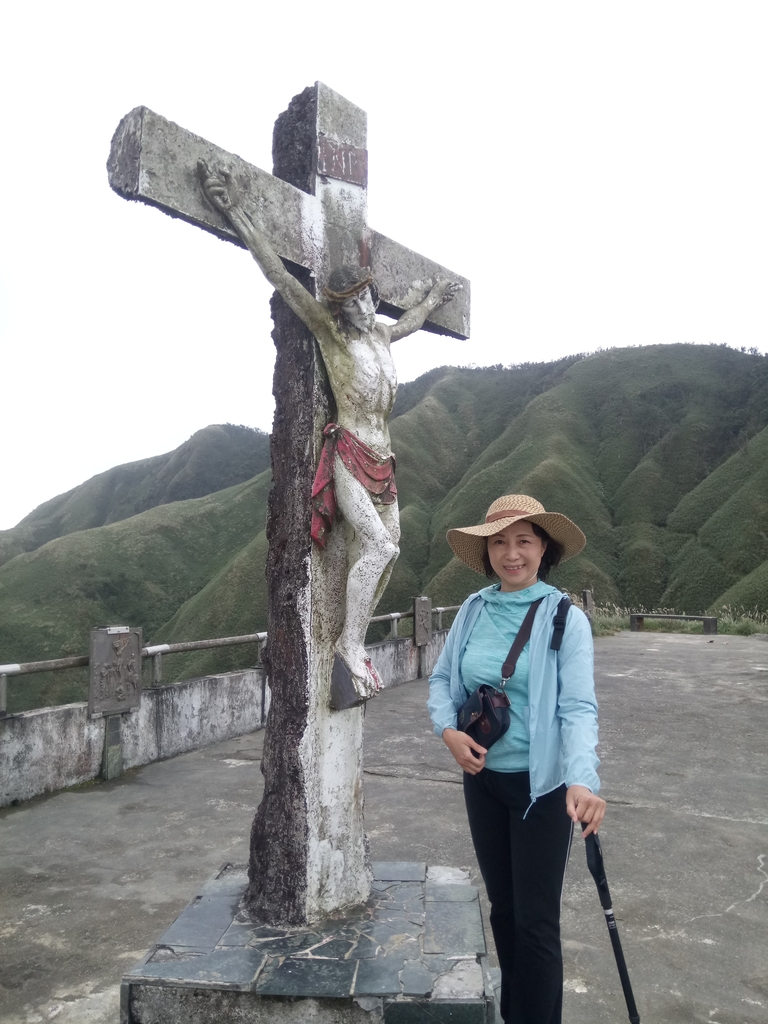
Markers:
524,794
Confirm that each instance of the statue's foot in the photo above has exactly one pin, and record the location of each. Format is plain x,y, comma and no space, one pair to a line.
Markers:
348,689
355,657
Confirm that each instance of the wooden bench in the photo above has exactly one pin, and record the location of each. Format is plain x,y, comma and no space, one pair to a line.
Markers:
637,621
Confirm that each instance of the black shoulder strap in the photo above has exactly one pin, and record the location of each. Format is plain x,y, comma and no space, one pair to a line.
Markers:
559,622
508,668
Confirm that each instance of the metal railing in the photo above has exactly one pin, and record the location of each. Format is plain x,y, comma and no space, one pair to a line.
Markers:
156,652
395,617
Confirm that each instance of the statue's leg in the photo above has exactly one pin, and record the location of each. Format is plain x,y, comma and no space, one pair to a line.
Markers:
376,551
390,516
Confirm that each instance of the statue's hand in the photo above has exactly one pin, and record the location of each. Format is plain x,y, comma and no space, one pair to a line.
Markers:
444,291
216,187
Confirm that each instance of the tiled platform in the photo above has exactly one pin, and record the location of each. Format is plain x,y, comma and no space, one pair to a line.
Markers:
413,954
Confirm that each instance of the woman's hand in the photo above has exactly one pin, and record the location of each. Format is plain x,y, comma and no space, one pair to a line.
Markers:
461,746
584,805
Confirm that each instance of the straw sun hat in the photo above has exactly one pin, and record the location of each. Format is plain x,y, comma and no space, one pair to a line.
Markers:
469,542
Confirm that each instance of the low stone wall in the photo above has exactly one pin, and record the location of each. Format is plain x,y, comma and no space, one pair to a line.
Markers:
396,661
184,716
48,749
52,748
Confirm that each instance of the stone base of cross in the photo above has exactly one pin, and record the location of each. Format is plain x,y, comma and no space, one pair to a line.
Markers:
308,847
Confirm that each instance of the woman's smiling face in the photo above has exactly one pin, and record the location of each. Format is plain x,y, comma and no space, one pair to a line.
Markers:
515,555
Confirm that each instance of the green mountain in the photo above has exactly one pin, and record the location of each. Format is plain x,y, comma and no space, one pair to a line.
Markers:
658,453
213,458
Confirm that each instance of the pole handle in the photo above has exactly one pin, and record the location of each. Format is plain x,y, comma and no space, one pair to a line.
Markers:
597,870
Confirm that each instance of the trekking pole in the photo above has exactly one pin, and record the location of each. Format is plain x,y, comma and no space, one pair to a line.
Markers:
597,870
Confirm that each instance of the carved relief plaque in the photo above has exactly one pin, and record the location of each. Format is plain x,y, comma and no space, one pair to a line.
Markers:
115,670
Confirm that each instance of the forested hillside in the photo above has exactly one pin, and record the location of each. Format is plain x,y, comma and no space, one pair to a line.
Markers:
658,453
212,459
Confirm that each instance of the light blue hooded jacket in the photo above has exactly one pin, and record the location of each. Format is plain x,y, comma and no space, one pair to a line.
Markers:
561,695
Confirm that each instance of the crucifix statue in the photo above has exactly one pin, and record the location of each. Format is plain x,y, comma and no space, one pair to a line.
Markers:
356,473
332,521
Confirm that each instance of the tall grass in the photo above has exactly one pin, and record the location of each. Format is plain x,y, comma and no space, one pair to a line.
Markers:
742,621
611,618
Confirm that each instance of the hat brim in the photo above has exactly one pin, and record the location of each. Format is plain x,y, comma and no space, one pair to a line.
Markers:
469,543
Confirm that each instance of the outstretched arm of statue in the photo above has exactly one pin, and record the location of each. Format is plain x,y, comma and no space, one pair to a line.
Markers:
218,190
413,319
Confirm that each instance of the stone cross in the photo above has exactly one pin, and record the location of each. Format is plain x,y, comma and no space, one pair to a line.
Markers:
308,846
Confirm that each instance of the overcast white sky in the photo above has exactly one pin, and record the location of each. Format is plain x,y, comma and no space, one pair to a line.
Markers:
599,170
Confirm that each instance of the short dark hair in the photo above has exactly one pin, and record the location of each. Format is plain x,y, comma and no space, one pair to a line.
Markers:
552,557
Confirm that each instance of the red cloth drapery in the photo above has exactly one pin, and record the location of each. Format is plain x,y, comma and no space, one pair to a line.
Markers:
375,472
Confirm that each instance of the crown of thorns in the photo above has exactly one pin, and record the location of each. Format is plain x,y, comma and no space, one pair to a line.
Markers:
348,293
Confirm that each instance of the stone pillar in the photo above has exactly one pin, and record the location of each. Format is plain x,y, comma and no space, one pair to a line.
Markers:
308,849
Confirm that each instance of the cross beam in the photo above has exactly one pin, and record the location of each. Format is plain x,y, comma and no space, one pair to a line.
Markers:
155,161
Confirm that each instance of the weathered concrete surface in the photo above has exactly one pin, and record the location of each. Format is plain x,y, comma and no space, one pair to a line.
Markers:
51,748
91,877
48,749
194,713
397,660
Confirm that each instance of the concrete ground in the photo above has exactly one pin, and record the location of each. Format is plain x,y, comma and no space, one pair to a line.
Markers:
91,876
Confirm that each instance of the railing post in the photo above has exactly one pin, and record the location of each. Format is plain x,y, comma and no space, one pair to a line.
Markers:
114,687
422,630
157,669
439,619
112,762
588,604
393,628
3,695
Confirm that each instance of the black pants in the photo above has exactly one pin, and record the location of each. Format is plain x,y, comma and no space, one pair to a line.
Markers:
523,866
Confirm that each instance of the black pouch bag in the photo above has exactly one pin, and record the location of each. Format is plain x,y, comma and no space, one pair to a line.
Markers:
484,716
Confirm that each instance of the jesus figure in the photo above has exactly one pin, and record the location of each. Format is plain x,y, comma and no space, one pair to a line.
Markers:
356,474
